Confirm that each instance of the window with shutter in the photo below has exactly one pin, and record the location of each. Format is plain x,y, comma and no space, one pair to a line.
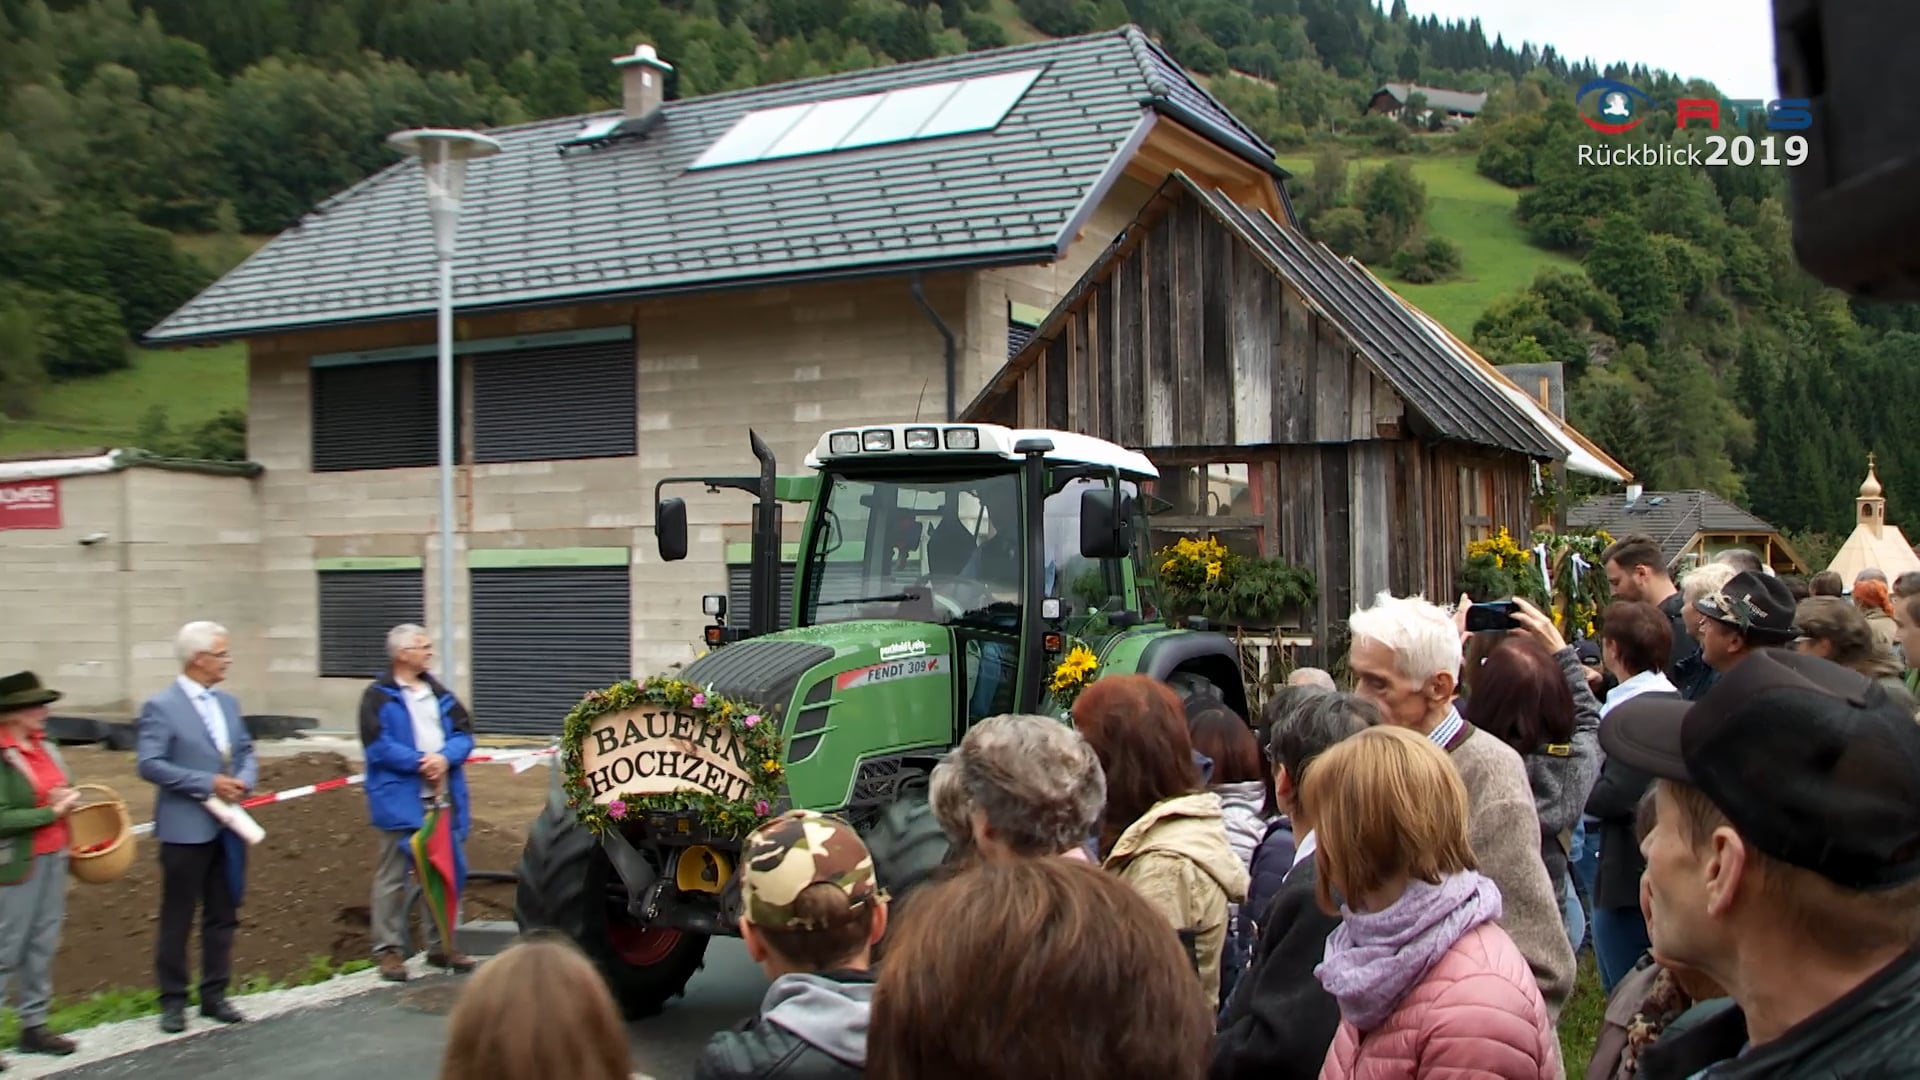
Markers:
357,608
378,415
549,404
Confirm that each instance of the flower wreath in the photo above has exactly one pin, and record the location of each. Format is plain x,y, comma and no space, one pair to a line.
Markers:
757,735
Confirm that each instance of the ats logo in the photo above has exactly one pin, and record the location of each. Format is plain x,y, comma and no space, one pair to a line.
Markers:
1618,108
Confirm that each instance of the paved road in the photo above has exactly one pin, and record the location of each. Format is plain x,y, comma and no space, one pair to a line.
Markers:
398,1032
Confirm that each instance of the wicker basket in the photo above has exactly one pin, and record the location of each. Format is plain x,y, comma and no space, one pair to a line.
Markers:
102,837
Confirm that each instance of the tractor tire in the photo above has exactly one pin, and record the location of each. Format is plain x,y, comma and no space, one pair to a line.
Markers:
567,884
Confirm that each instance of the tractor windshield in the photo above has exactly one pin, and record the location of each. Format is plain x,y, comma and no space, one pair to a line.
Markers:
943,550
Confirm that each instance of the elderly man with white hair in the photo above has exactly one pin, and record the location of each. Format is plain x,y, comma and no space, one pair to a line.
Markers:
417,737
193,746
1406,657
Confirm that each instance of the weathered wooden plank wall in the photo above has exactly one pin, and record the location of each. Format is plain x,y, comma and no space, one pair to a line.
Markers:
1193,349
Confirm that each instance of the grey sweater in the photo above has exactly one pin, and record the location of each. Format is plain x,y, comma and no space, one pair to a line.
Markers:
1562,781
1505,834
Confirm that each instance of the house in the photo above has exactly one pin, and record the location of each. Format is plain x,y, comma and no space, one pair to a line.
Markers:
1457,106
1295,406
633,291
1691,527
1873,543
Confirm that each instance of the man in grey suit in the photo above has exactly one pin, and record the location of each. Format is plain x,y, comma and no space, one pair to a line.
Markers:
192,746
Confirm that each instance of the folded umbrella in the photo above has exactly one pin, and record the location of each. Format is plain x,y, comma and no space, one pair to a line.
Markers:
441,864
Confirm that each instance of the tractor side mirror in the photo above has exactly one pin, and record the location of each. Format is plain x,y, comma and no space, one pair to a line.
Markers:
670,529
1105,529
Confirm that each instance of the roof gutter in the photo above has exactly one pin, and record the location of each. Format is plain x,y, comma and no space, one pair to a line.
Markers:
1231,141
1026,256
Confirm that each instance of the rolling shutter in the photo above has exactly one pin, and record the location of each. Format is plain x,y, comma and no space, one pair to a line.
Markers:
542,638
357,608
377,416
573,401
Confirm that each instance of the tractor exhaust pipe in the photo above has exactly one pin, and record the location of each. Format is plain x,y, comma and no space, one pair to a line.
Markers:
763,575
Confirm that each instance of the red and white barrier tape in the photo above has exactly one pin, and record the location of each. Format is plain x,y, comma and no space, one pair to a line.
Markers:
521,761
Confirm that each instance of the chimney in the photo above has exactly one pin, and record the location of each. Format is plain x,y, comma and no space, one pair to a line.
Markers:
643,81
1633,495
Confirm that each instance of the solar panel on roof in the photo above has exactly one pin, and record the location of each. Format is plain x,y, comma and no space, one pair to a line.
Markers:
823,127
980,105
920,112
751,135
900,115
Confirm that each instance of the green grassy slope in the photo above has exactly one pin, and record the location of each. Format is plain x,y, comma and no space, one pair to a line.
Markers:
191,384
1475,213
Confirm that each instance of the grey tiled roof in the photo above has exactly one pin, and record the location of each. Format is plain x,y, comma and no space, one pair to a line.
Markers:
1672,518
628,218
1453,400
1459,101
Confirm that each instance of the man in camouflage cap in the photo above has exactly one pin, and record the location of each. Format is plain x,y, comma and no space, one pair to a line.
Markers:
812,913
794,852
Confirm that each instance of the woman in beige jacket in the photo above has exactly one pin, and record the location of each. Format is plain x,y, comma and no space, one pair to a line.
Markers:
1162,830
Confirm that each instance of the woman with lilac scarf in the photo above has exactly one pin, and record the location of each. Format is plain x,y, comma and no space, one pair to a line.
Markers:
1427,982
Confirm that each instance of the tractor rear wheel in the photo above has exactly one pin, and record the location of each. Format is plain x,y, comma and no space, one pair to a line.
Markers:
567,884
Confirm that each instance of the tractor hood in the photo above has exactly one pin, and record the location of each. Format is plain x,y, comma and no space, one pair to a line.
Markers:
846,693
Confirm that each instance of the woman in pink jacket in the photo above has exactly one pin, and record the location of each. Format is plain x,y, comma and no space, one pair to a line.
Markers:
1428,984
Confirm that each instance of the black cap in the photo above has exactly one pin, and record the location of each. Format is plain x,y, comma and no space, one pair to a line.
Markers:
1756,605
1811,762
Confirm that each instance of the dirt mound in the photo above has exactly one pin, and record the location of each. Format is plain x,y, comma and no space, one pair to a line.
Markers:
307,883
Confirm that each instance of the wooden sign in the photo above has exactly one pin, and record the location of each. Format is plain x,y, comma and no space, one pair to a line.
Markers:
654,750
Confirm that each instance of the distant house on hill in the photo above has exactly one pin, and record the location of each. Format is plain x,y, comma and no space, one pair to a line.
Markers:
1691,527
1458,106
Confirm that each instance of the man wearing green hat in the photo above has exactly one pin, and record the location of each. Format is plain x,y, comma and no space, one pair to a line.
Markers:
36,795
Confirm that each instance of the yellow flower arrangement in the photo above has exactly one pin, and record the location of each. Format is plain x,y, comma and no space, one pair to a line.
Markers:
1072,674
1506,553
1193,561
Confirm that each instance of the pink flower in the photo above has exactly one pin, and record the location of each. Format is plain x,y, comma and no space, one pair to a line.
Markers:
753,719
699,701
616,809
761,808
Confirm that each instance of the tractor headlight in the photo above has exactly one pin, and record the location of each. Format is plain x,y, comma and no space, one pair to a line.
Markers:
963,438
923,438
879,439
844,442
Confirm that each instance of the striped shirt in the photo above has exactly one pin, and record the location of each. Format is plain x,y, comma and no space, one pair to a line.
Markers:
1448,729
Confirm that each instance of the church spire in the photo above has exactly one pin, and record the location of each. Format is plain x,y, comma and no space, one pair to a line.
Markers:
1872,506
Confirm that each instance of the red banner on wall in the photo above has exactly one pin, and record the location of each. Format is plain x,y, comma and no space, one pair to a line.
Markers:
30,504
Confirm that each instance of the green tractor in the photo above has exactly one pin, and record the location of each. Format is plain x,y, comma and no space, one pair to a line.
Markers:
942,573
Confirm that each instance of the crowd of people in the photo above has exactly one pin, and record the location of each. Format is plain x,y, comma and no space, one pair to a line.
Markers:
1720,795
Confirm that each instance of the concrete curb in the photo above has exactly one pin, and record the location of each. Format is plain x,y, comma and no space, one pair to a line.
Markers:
109,1041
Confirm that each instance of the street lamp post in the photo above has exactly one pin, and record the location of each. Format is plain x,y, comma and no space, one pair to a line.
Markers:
443,155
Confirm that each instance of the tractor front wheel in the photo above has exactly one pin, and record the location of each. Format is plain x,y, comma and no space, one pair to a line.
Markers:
567,884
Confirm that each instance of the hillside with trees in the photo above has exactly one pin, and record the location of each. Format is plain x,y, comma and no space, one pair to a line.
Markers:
147,145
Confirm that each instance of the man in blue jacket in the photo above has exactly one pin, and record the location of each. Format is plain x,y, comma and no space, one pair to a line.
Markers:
417,736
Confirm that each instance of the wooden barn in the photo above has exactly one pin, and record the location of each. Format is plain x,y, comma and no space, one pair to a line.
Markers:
1296,407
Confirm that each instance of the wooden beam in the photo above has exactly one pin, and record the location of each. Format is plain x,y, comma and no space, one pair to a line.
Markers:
1170,146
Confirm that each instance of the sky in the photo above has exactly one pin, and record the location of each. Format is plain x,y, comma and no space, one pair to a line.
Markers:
1727,41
